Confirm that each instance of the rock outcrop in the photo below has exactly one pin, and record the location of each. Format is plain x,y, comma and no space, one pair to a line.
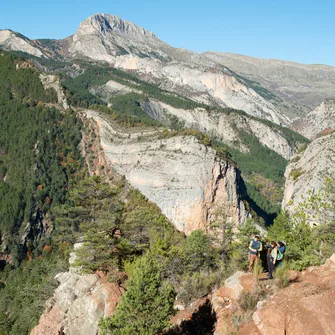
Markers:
182,176
225,300
51,81
78,303
304,307
296,83
318,122
222,305
307,171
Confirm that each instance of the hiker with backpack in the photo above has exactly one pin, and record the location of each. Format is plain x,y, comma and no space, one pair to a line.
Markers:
271,258
255,247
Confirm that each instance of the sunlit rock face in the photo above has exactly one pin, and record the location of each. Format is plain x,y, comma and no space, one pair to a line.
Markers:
182,176
308,171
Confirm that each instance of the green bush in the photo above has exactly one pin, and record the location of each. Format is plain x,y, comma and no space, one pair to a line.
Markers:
198,284
25,291
282,275
197,252
295,174
147,304
248,301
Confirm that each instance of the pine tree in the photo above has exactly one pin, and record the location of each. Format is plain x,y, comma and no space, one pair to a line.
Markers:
146,306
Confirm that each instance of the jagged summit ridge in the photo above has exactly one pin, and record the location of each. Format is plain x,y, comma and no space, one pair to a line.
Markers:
124,45
105,24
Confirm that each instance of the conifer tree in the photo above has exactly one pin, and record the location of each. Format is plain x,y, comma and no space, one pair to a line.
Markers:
147,304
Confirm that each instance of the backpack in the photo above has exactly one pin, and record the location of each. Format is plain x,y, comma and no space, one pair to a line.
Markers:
279,255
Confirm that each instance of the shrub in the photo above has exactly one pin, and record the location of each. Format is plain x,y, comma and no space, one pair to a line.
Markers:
295,174
302,148
295,159
241,319
198,253
198,285
248,301
282,275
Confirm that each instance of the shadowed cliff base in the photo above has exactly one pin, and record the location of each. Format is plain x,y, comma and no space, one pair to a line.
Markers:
202,323
267,217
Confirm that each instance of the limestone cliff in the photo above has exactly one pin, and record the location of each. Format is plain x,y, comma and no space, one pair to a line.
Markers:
52,81
78,303
182,176
226,127
307,171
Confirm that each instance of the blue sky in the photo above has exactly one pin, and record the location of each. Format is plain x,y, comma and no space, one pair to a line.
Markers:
297,30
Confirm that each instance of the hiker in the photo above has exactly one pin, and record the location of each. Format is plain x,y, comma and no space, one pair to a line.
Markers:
255,247
271,258
281,246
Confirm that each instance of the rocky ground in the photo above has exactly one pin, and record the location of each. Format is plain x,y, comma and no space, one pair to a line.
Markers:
305,306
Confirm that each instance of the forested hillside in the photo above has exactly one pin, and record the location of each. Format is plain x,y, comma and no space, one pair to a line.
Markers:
39,163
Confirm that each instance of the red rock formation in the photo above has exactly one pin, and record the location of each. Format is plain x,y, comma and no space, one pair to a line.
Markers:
307,306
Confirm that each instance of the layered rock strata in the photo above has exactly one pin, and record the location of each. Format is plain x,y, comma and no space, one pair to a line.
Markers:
308,171
182,176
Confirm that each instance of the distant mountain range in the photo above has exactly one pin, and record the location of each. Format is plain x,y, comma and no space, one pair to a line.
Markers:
275,90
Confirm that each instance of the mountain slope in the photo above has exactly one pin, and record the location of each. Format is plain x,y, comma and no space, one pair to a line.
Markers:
305,85
307,173
320,121
107,38
12,41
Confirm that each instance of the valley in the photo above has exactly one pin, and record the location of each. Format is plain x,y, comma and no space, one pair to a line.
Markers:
126,163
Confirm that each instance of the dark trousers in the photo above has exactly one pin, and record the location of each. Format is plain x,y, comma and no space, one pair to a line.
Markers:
271,266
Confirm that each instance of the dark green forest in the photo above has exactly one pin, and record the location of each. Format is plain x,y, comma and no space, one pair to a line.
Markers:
39,160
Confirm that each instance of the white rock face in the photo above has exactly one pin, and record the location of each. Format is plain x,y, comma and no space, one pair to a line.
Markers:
183,177
223,126
51,81
12,41
78,303
315,164
319,120
124,45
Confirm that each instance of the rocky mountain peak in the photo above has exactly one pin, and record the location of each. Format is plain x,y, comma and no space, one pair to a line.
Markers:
105,24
